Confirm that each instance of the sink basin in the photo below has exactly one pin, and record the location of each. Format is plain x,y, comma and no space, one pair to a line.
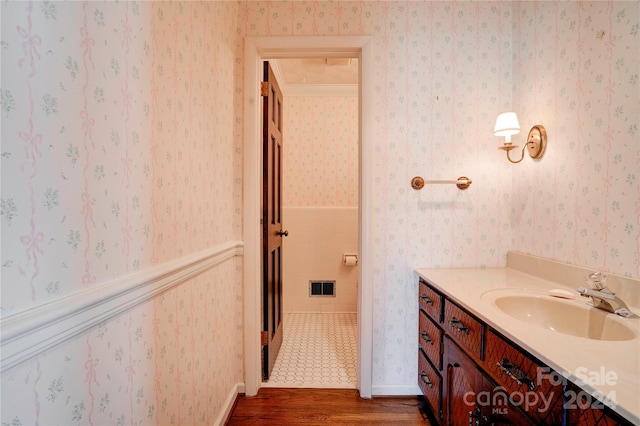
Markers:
566,317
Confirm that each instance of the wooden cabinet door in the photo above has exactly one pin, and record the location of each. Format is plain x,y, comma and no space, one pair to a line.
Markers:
471,398
496,409
463,384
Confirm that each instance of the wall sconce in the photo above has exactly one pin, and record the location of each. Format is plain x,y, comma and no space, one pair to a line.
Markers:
507,125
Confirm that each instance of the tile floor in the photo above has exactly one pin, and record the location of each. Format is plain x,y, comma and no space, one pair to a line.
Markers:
319,350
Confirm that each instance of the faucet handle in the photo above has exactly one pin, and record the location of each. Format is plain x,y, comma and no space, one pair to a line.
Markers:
623,312
604,294
597,280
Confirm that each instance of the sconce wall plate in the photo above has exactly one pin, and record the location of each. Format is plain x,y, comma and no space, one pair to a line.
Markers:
537,141
536,144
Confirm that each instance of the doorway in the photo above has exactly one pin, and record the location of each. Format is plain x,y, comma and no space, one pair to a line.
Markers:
258,49
320,213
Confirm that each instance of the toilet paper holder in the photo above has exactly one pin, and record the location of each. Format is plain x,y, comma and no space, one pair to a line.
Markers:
350,259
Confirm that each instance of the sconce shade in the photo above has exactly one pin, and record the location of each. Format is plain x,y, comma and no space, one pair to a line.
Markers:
507,125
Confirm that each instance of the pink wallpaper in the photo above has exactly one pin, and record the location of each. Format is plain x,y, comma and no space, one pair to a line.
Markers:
121,149
120,124
442,72
320,179
113,123
577,73
321,151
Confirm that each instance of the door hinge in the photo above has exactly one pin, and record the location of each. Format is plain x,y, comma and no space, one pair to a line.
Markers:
264,336
264,88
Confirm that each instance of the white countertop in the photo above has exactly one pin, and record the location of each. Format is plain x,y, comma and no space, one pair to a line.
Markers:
611,367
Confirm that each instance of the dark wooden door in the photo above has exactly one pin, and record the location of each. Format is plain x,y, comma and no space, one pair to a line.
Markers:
272,231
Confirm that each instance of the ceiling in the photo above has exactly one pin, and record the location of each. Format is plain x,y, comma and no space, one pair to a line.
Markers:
315,71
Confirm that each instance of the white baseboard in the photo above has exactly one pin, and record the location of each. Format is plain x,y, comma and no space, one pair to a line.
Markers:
395,390
229,403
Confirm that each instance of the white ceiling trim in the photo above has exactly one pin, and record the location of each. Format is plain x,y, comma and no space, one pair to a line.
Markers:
302,90
331,90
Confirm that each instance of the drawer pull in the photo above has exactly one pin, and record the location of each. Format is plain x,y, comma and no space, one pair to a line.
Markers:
425,379
516,374
476,418
426,337
459,326
426,300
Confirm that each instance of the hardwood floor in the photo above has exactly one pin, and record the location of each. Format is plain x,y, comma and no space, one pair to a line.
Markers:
273,406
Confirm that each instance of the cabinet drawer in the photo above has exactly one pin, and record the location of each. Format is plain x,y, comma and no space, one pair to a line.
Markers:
429,382
430,340
464,329
525,379
430,301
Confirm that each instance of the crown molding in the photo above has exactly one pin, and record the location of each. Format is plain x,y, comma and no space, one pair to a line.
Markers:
304,90
329,90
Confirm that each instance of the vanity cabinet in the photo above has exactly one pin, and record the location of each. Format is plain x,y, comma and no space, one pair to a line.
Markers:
472,375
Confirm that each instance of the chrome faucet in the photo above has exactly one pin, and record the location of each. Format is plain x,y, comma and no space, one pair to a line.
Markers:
602,297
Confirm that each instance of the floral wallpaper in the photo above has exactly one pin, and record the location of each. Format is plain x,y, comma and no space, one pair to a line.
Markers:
320,199
443,71
321,151
578,70
121,127
108,119
169,361
122,149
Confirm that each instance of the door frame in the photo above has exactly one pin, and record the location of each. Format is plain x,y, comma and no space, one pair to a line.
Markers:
258,49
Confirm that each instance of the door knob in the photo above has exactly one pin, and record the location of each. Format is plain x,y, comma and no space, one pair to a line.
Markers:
283,233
